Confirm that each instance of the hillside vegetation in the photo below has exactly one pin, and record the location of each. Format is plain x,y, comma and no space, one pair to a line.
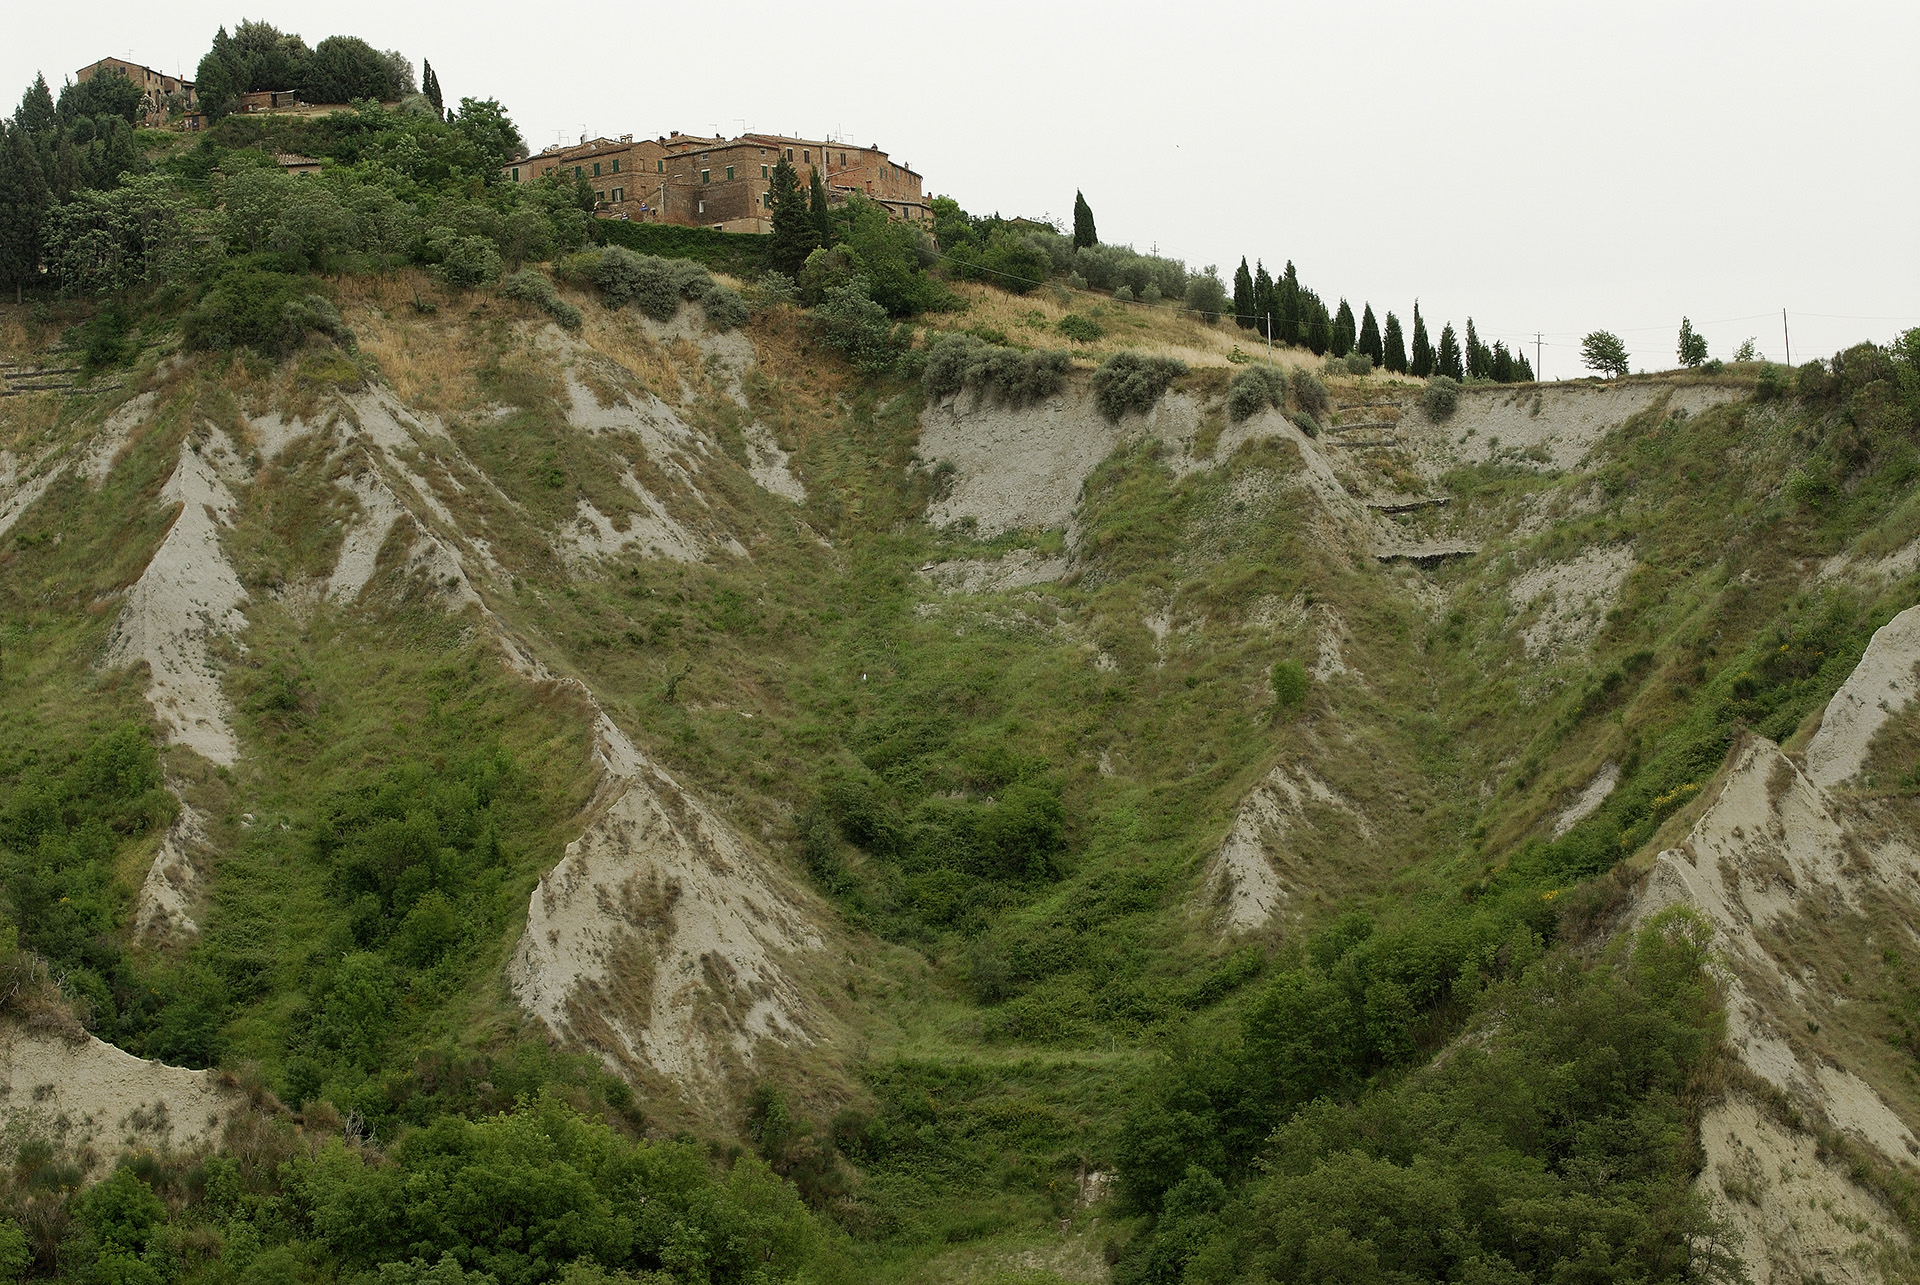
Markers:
628,772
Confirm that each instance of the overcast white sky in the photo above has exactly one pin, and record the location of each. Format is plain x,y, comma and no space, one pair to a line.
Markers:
1547,167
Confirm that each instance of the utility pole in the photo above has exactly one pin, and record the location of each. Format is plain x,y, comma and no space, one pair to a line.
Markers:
1536,357
1269,337
1786,335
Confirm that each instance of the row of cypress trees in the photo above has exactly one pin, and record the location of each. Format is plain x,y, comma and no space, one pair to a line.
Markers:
1281,309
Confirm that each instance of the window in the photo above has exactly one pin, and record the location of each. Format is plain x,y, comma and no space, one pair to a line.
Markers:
596,169
763,171
706,176
806,157
599,196
843,160
660,165
616,165
766,199
729,172
703,207
578,172
619,194
789,153
516,173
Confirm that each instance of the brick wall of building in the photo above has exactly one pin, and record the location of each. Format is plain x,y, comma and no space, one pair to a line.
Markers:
156,85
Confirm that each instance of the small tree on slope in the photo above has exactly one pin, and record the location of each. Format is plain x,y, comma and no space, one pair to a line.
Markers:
1083,233
1603,351
1693,345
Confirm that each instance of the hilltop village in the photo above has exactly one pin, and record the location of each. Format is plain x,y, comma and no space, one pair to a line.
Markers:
685,179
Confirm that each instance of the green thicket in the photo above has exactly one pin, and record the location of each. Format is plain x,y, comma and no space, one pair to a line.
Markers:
1009,375
1128,383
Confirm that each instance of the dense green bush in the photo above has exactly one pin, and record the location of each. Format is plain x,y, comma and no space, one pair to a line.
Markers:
1207,295
1309,394
1016,378
1441,398
1478,1167
1253,390
1082,330
851,323
1289,681
270,312
533,287
1358,363
656,286
1128,381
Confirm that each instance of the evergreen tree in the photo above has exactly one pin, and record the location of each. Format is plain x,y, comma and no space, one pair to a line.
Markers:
1317,324
1477,362
1242,294
67,174
1422,364
430,86
1083,233
35,113
1343,330
1369,341
1522,369
1394,356
1262,300
23,209
817,208
1448,362
794,234
1693,345
1287,321
1500,365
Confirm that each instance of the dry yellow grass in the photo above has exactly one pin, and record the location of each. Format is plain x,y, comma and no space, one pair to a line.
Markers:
1160,330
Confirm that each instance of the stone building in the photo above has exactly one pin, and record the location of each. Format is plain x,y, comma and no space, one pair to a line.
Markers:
726,184
161,89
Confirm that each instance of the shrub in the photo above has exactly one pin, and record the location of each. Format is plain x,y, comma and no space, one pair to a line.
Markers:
1253,390
1015,263
1305,423
725,309
531,287
1772,382
1309,394
654,285
1124,294
1014,377
1150,293
269,312
857,328
1289,681
774,290
1358,363
1813,380
1082,330
1127,381
1441,399
1207,295
463,261
1077,281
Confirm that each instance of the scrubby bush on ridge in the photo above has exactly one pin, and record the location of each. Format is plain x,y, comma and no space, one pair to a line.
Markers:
1128,381
1253,390
533,287
1006,374
1441,398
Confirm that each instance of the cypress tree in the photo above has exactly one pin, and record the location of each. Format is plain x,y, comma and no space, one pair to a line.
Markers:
1369,341
817,208
35,113
1500,365
23,209
1318,325
430,85
1448,361
1083,233
1262,300
1287,319
1242,295
794,234
1394,358
1479,357
1422,364
1343,330
66,174
1522,368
